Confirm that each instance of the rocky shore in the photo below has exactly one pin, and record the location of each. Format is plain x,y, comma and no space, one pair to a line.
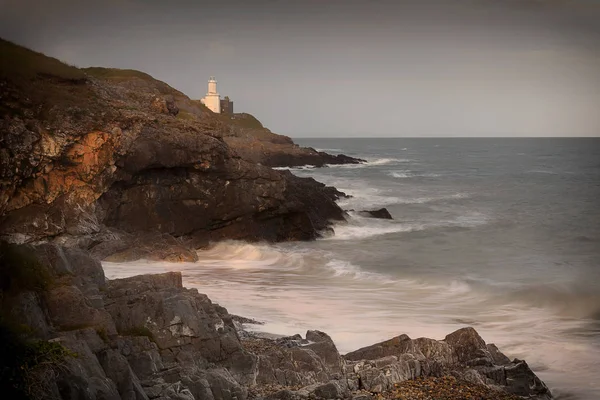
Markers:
110,164
119,163
148,337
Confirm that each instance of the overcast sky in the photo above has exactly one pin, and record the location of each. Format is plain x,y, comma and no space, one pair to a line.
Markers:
348,68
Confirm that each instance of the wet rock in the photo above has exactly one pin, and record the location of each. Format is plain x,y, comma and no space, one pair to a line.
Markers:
323,345
496,354
521,381
393,347
147,337
381,213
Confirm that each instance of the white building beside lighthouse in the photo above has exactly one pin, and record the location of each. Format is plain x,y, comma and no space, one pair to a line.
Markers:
212,100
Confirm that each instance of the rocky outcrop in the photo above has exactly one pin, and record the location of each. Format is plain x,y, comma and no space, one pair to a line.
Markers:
148,337
102,158
381,213
255,143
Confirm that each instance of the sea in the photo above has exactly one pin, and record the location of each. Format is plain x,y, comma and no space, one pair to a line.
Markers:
501,234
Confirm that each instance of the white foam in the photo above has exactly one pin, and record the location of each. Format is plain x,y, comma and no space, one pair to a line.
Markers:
372,162
409,174
385,161
430,199
298,168
542,171
345,269
360,227
315,289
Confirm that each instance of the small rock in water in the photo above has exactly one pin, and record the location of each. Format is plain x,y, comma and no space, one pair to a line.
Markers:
382,213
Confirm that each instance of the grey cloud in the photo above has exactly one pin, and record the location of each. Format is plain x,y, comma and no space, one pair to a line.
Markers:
348,68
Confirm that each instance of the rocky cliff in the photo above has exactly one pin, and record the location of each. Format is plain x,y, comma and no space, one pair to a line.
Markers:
112,160
147,337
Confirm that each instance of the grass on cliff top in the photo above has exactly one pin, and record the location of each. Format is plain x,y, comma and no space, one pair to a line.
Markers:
19,61
116,73
243,120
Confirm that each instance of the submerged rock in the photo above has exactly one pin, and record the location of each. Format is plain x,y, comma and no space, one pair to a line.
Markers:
381,213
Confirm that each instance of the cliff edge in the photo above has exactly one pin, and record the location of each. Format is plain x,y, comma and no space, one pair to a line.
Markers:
120,163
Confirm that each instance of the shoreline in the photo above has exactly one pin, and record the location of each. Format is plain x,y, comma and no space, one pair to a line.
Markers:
294,325
151,336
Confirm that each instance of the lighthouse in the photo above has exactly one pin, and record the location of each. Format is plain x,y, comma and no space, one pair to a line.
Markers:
212,100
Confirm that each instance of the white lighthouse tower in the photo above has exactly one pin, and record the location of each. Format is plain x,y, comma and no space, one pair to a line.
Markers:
212,100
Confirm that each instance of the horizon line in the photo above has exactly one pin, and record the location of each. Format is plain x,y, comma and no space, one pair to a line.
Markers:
444,137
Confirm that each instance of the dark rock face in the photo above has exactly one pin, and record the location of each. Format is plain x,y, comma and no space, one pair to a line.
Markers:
117,156
147,337
382,213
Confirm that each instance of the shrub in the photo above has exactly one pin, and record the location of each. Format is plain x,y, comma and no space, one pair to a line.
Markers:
20,61
28,367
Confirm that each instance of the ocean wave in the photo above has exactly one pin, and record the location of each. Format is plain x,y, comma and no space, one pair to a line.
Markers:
541,171
372,199
564,300
346,269
385,161
409,174
431,199
372,162
242,255
358,227
326,150
301,167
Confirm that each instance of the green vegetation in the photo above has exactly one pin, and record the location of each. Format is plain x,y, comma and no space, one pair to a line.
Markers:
27,366
22,62
21,271
243,120
116,73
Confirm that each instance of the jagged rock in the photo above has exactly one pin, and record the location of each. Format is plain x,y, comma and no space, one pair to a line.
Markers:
83,377
467,345
174,343
521,381
120,151
174,316
148,246
381,213
463,354
27,307
69,309
117,368
323,345
142,354
393,347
